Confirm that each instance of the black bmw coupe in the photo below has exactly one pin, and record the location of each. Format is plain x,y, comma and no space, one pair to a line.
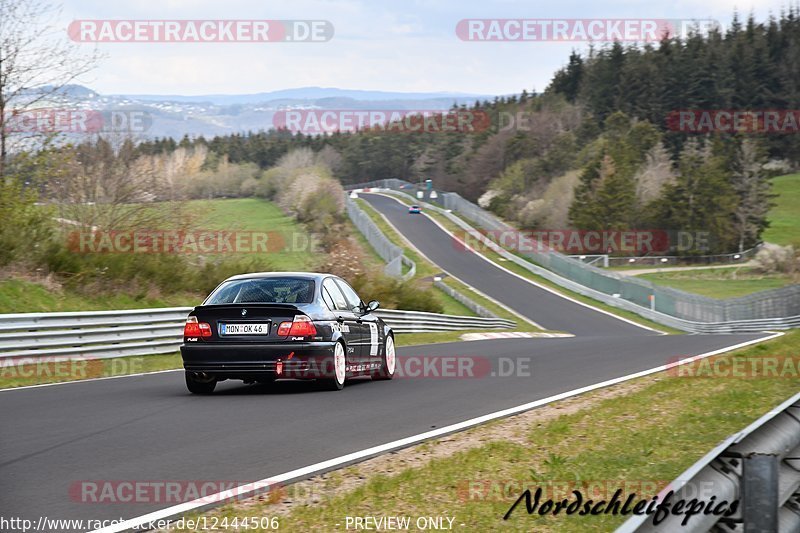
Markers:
285,325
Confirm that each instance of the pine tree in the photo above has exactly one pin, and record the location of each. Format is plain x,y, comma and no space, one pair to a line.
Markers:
700,200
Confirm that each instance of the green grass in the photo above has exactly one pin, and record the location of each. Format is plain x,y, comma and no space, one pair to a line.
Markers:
293,252
416,339
784,217
293,247
451,306
720,282
642,439
17,296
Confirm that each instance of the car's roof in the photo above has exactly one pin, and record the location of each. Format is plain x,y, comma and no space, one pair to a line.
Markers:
260,275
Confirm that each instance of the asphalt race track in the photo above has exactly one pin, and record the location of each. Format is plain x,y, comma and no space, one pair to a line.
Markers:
149,428
543,307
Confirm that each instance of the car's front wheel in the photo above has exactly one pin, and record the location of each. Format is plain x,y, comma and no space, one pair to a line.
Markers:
389,361
200,383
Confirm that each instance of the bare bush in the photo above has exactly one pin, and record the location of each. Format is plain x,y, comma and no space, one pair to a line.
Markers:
297,159
653,175
552,209
36,62
773,258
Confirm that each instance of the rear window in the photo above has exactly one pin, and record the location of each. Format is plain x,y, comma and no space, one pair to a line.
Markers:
264,290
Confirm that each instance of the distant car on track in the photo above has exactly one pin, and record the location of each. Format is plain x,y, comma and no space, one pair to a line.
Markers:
273,325
414,209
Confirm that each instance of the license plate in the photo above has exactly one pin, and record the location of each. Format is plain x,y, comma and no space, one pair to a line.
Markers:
244,329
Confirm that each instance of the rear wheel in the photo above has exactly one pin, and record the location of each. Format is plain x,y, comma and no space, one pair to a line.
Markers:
200,384
336,381
389,362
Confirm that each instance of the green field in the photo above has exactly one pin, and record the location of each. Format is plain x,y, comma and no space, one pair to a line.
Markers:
293,250
18,296
293,247
720,282
784,217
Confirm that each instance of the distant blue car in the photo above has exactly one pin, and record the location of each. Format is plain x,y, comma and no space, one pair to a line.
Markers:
414,210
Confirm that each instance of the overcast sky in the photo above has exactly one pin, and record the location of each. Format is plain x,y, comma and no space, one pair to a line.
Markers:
401,45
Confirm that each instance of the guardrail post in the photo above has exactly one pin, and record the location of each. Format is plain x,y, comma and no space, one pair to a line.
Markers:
760,493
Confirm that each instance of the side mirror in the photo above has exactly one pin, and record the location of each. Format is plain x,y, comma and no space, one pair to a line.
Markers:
372,305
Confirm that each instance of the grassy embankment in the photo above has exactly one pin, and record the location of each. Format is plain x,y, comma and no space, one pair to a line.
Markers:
636,436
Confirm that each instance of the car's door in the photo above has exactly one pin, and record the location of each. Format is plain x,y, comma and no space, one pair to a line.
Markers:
369,328
348,320
373,350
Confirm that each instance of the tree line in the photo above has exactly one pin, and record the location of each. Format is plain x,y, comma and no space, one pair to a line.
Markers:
594,150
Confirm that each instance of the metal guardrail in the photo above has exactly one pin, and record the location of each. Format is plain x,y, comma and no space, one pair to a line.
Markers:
766,310
464,300
421,322
104,334
759,466
389,252
395,257
97,334
771,304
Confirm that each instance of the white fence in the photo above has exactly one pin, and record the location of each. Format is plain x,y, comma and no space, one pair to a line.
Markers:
103,334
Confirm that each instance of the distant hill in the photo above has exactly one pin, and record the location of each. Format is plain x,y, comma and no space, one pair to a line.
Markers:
220,114
303,93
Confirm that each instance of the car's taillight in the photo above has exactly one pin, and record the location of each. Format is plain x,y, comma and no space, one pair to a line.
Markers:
302,326
193,328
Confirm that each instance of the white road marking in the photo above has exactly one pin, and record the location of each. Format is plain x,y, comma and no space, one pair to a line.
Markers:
304,472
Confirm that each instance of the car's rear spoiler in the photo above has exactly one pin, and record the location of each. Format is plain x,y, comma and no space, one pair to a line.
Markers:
276,306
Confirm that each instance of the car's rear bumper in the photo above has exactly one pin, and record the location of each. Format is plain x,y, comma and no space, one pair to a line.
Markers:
309,360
